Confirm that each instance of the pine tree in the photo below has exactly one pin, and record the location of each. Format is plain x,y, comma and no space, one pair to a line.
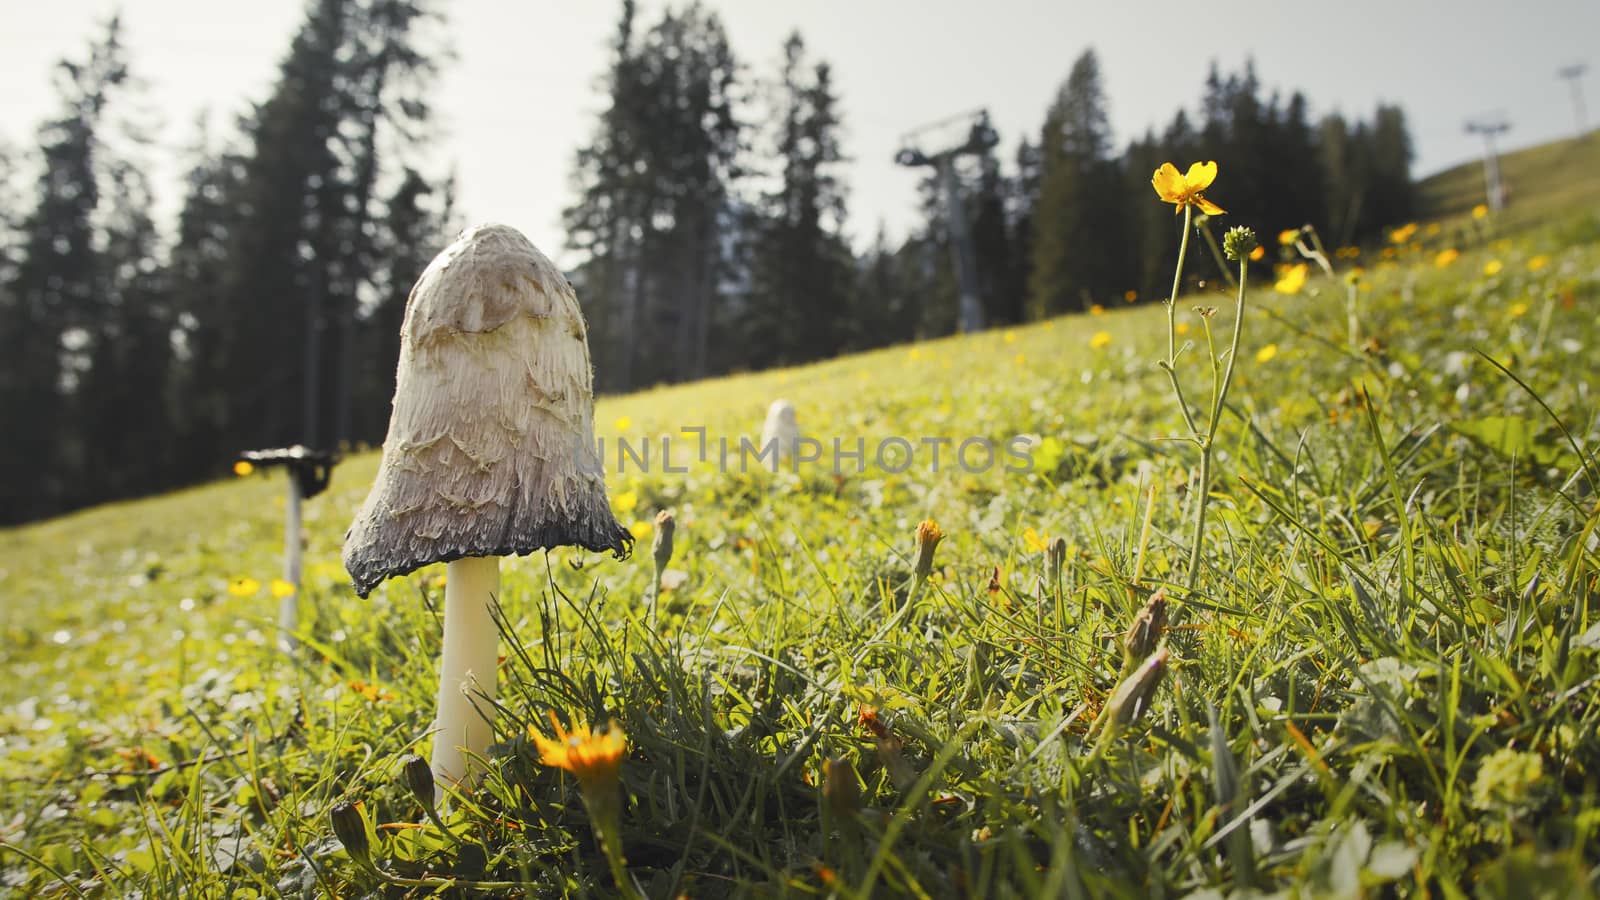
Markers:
1076,248
654,188
799,305
46,339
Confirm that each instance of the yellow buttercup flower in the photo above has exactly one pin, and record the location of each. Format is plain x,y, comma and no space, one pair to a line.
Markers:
626,501
595,759
1035,542
639,530
1186,190
1265,354
1101,340
1258,253
1446,257
244,586
1403,234
243,468
623,423
1538,262
1481,211
1492,267
280,588
1181,328
1292,279
1518,309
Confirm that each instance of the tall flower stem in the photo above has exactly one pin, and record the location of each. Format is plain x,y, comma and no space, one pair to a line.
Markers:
1171,362
1220,383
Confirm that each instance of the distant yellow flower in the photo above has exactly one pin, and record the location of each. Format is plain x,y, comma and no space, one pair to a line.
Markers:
1186,190
1009,337
1258,253
1446,257
1265,354
1492,267
1129,296
244,586
640,530
594,759
1019,359
1538,262
1292,279
1518,309
623,423
1288,236
1101,340
626,501
1481,211
914,353
1096,309
1404,233
1181,328
243,468
1035,542
280,588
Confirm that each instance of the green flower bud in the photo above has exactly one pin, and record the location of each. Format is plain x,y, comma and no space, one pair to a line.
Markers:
1134,694
1147,629
1238,243
662,549
350,827
418,778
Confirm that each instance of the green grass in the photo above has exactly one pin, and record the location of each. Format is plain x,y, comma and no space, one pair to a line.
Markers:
1547,182
1385,682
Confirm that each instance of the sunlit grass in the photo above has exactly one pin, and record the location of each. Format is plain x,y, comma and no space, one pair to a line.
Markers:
1385,677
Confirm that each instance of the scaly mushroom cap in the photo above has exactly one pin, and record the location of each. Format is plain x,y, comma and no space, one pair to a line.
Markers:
491,448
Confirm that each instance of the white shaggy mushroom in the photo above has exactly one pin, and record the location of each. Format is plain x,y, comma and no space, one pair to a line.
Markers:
782,429
490,452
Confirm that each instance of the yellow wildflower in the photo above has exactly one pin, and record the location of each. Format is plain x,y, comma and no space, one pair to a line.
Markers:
1265,354
1446,257
626,501
1009,337
1288,236
1186,190
1258,253
243,468
1518,309
1101,340
1538,262
244,586
1492,267
1292,279
639,530
623,423
1130,296
1035,542
1481,211
1403,234
595,759
280,588
1181,328
1096,309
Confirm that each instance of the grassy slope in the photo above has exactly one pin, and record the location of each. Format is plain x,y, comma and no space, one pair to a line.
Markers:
1387,676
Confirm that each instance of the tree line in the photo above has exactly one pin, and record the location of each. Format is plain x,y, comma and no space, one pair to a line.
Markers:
709,228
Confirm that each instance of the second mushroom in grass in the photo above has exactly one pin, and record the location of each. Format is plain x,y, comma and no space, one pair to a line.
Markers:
490,453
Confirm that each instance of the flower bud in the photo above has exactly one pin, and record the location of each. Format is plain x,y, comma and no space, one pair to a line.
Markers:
350,827
662,549
418,778
1238,243
1055,556
1133,695
840,789
1147,629
928,538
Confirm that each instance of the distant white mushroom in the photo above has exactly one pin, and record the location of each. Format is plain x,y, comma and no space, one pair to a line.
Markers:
490,452
781,428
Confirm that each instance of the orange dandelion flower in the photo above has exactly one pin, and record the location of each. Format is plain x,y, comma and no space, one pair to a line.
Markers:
1186,189
594,759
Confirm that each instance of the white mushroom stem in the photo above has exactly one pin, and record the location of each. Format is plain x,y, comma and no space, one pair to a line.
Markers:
466,670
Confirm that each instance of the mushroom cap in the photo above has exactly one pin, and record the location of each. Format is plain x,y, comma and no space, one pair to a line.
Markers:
491,449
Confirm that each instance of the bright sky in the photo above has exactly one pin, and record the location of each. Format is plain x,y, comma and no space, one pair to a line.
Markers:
521,96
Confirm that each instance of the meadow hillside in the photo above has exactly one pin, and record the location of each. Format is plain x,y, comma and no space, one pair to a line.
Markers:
1384,679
